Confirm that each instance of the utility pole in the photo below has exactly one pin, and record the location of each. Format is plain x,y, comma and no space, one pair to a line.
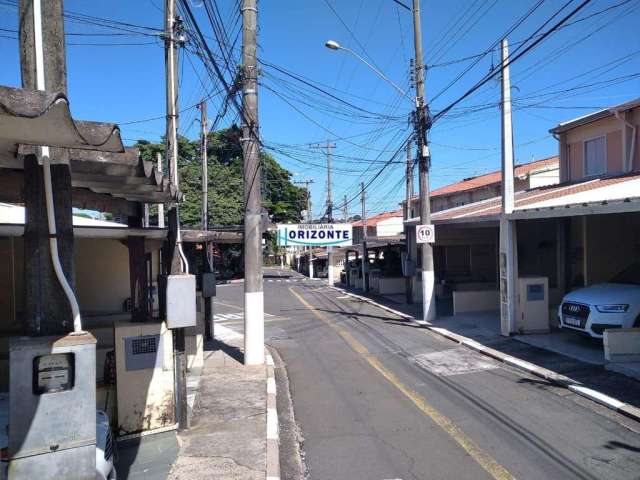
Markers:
205,173
329,146
206,264
160,205
253,294
345,210
423,124
176,262
365,256
508,250
328,150
306,184
407,216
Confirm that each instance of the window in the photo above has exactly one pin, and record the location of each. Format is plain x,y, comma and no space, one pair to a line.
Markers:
594,156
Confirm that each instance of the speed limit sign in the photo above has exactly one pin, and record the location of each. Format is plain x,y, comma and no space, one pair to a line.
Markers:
425,234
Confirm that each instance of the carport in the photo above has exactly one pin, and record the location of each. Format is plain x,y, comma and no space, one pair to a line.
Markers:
574,235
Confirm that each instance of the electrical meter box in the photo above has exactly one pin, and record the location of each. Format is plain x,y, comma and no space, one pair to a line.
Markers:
49,377
208,284
181,301
533,305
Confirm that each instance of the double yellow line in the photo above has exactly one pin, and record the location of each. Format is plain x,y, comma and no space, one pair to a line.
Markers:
485,460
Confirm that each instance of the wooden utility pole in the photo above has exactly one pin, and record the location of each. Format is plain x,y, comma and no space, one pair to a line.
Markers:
47,310
365,255
253,294
407,238
508,250
424,158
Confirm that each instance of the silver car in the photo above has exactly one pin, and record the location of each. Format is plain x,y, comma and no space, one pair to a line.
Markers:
614,304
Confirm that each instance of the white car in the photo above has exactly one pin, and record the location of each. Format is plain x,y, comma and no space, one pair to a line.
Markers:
105,443
105,448
615,304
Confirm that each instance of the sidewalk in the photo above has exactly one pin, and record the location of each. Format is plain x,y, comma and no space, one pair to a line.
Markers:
479,332
228,434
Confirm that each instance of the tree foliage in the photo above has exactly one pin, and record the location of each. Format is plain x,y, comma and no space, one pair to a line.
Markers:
282,200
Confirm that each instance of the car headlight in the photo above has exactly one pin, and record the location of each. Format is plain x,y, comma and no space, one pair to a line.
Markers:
618,308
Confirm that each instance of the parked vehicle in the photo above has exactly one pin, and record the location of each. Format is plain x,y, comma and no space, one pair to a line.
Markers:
105,443
615,304
105,448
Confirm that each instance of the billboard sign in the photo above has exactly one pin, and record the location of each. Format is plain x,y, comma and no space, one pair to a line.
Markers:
315,234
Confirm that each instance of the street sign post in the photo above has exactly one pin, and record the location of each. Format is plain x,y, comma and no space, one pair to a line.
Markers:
315,234
425,234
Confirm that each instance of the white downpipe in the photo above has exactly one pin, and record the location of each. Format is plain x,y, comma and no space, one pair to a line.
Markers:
631,154
48,189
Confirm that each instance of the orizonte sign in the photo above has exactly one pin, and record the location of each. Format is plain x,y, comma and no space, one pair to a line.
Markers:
318,234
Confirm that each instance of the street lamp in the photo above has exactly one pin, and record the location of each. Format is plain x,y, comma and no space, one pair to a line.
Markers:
333,45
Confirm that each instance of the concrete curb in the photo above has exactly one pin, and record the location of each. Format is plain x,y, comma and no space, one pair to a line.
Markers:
273,434
593,395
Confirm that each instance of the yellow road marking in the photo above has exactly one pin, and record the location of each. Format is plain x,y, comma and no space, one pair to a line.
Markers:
485,460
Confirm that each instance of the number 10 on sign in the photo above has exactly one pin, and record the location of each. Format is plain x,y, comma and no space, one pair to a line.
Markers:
425,234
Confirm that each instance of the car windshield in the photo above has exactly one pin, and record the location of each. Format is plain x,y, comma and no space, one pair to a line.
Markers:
630,275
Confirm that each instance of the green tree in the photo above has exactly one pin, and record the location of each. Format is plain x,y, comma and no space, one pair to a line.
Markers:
282,200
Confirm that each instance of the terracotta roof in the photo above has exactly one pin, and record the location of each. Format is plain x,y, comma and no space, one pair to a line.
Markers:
374,220
494,177
593,190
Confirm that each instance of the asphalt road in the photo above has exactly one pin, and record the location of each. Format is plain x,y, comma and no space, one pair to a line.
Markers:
379,398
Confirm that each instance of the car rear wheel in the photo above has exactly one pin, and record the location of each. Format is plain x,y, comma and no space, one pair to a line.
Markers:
636,324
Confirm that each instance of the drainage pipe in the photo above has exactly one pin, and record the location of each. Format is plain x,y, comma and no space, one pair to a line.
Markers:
48,189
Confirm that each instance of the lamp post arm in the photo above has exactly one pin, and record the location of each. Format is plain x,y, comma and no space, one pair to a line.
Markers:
380,74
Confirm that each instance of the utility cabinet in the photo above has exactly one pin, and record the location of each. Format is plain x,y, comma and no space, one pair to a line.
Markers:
181,301
144,377
532,313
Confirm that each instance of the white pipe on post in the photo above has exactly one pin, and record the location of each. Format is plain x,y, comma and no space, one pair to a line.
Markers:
48,188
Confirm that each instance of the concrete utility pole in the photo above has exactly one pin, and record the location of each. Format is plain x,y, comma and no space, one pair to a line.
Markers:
407,216
205,172
365,256
345,210
206,264
328,150
175,261
329,146
424,159
306,184
47,311
508,248
253,294
160,205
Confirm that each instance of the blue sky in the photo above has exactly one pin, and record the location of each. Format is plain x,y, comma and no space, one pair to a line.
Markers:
584,66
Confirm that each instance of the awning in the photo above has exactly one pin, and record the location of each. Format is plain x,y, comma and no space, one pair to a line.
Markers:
34,117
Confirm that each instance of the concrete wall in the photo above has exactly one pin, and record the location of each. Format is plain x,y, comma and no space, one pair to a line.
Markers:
475,301
618,146
390,227
613,243
102,274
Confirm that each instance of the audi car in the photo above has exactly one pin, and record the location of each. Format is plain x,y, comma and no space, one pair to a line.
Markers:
594,309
